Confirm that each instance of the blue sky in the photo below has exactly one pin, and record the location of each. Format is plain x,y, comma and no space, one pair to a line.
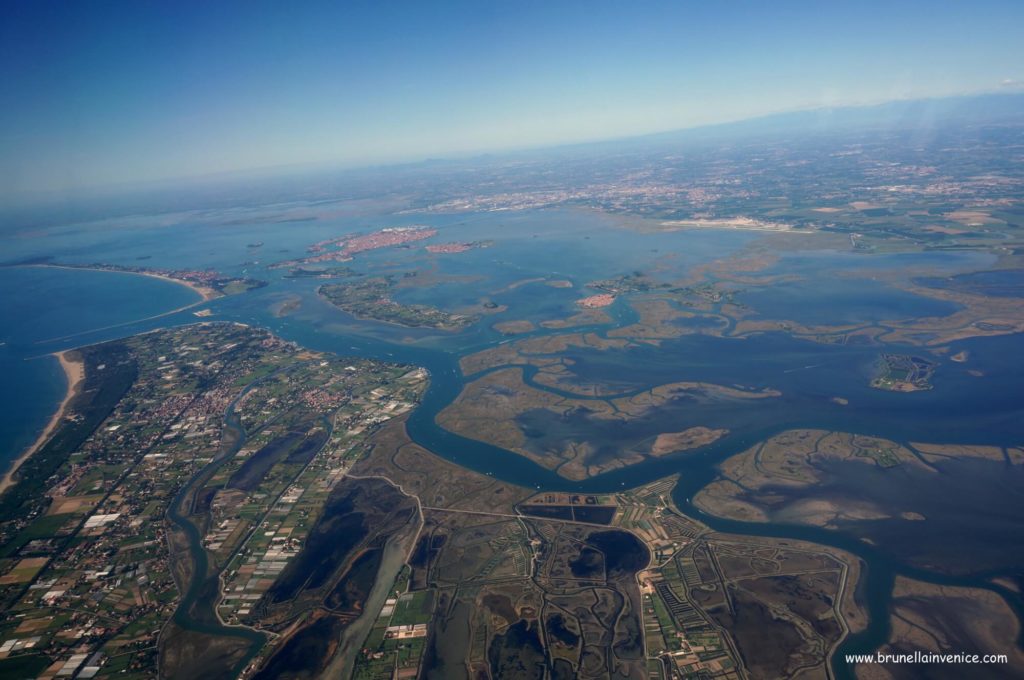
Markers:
101,93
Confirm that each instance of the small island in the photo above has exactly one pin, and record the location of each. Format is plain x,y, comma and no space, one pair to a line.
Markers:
450,248
343,249
320,272
596,301
635,282
904,373
370,298
514,327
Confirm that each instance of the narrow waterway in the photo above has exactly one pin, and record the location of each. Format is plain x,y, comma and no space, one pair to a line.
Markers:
197,610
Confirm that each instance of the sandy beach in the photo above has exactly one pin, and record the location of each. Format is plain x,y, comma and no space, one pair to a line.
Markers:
74,371
205,291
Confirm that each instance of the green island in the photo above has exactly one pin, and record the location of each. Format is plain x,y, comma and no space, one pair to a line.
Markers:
634,282
903,373
370,298
320,272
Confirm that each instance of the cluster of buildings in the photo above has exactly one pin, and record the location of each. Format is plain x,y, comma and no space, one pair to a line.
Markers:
90,592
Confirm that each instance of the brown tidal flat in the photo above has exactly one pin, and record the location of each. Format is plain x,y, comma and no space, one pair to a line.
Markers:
490,408
944,619
589,315
751,485
934,452
692,438
660,319
793,477
981,316
514,327
532,351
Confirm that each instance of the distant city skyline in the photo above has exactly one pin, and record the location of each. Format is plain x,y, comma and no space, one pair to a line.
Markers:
104,94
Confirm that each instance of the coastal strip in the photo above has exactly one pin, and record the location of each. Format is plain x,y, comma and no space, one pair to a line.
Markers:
205,292
74,372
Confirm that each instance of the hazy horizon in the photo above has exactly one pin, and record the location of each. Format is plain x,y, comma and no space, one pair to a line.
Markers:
887,114
99,97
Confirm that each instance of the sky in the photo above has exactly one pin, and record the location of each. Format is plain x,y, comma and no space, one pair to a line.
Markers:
98,94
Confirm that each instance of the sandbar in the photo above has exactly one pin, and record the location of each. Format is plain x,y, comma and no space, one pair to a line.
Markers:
205,292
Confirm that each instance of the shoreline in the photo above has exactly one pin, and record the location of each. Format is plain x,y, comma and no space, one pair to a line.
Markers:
205,292
74,373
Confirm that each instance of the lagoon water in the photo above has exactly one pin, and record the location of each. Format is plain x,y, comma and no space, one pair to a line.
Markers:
44,310
836,301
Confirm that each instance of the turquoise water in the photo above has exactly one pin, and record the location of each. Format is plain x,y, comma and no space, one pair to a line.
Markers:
53,309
